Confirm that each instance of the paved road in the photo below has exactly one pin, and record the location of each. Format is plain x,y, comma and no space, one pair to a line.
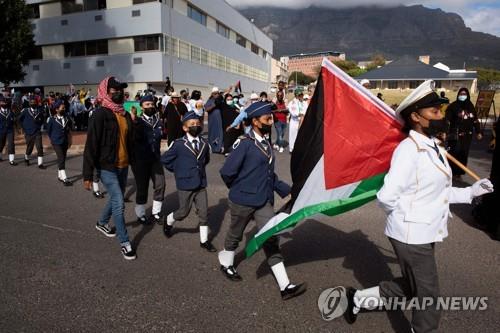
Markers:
57,273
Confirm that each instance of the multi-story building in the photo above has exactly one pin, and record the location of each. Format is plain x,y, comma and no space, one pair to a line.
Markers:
310,63
197,43
279,70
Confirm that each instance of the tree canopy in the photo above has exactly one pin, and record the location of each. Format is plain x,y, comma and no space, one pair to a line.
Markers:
16,40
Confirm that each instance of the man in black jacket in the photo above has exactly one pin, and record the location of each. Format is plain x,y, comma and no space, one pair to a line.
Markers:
109,149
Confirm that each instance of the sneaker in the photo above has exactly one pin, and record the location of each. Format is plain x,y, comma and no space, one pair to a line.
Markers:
128,252
42,167
281,149
13,163
106,230
98,195
275,146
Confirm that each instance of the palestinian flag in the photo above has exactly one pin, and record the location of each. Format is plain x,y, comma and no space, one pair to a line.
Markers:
342,152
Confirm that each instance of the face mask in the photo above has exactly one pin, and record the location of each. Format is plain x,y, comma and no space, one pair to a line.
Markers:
149,111
436,127
117,97
266,129
462,98
229,102
194,130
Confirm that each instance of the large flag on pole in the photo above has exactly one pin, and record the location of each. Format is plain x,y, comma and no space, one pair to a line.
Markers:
342,152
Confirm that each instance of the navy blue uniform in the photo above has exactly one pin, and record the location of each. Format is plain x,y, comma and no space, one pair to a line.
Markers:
249,173
187,164
31,120
148,132
7,119
59,130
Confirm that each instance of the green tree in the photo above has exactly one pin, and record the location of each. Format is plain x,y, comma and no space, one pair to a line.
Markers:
350,67
377,60
301,78
487,76
16,40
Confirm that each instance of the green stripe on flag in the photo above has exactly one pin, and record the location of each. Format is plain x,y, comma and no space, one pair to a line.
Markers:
365,192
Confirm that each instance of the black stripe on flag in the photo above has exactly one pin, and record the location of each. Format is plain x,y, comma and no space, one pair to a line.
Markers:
308,147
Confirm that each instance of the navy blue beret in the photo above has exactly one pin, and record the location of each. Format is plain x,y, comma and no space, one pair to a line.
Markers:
57,103
147,98
190,115
258,109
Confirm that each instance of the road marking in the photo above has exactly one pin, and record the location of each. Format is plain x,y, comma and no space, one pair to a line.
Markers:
17,219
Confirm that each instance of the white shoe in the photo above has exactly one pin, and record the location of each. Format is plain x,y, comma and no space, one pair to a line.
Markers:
281,149
275,146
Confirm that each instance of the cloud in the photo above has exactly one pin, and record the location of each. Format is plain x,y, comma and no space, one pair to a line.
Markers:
479,15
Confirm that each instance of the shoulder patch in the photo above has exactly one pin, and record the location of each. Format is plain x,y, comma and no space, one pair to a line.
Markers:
236,143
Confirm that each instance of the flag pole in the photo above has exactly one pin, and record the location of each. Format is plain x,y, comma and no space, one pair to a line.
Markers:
463,167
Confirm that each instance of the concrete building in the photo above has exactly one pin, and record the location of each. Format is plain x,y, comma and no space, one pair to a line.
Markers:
197,43
409,73
279,70
310,63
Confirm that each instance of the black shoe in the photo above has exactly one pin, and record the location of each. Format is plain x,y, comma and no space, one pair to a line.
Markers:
128,252
349,315
13,163
167,229
208,246
42,167
157,219
27,162
231,273
98,194
291,292
143,220
66,182
106,229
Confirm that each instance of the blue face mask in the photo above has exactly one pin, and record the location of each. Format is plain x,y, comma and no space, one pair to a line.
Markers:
462,98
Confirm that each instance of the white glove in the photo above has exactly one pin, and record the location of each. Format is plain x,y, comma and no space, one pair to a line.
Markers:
481,187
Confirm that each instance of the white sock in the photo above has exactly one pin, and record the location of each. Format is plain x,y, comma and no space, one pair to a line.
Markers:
226,258
95,186
140,211
203,233
156,207
63,174
368,298
279,272
170,219
26,157
40,160
11,157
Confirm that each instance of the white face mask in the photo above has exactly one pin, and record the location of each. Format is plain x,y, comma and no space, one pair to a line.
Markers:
462,98
229,102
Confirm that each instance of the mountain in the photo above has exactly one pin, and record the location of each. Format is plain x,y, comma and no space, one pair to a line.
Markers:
363,31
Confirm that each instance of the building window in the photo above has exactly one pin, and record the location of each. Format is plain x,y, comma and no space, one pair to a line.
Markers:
204,57
96,47
184,50
414,84
240,40
197,15
34,11
136,2
89,48
438,84
392,85
195,54
264,54
255,48
222,30
36,53
74,6
146,43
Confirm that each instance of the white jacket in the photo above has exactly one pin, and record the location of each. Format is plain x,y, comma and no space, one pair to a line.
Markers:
417,192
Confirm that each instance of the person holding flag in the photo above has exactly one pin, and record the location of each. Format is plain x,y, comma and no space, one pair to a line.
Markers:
416,195
249,174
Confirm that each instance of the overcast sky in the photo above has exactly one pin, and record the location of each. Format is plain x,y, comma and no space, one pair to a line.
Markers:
481,16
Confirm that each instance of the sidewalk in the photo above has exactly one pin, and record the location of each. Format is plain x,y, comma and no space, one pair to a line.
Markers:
79,139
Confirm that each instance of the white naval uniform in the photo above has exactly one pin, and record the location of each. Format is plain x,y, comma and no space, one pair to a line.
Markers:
296,108
417,192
